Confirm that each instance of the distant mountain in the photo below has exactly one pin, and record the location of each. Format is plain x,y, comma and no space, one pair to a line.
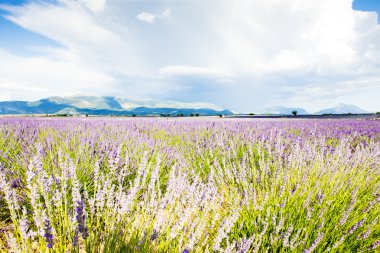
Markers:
108,106
342,109
282,110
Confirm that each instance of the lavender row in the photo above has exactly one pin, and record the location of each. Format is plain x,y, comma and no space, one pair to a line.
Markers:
215,185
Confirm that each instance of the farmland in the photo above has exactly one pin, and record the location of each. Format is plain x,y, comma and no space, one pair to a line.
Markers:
189,185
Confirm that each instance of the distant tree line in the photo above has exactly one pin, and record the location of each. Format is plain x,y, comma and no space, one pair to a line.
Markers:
133,115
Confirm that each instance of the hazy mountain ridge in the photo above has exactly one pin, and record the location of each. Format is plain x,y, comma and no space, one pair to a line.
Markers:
108,106
339,109
282,110
342,109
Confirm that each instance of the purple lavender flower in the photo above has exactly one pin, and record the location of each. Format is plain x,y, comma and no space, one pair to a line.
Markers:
315,243
48,234
81,219
75,238
356,226
375,245
154,235
16,183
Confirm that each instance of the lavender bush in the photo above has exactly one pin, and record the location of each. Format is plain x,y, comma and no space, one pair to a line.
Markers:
217,185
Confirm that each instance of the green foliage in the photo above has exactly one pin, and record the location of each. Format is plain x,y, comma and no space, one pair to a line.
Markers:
63,115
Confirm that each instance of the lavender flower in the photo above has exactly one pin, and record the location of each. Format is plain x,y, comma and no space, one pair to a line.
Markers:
24,224
375,245
48,234
316,242
154,235
245,244
75,238
16,183
356,226
12,243
81,219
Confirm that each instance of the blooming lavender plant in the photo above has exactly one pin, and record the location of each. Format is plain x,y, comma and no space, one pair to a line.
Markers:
215,185
81,219
48,234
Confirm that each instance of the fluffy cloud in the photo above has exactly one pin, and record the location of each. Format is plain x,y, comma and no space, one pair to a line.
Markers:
146,17
151,18
95,5
276,36
43,77
240,54
166,13
299,48
90,39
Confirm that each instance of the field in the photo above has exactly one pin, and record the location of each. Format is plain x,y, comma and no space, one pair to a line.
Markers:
189,185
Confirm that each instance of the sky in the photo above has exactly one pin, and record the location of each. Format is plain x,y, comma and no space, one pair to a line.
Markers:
242,55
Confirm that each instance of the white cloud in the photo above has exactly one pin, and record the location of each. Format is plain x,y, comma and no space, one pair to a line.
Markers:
166,13
87,39
287,35
5,97
151,18
180,70
146,17
43,77
95,5
67,24
282,43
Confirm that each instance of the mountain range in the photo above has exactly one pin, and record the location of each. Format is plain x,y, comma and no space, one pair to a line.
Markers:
108,105
282,110
342,109
339,109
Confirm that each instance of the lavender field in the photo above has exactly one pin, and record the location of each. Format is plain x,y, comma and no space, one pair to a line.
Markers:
181,185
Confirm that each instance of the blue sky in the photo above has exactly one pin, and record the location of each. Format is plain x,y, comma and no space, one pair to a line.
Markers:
243,55
367,5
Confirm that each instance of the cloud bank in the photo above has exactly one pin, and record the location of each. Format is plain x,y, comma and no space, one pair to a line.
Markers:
239,54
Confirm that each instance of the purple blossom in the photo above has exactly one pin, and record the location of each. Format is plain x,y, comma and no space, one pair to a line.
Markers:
16,183
374,245
48,234
316,242
154,235
75,239
356,226
81,219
